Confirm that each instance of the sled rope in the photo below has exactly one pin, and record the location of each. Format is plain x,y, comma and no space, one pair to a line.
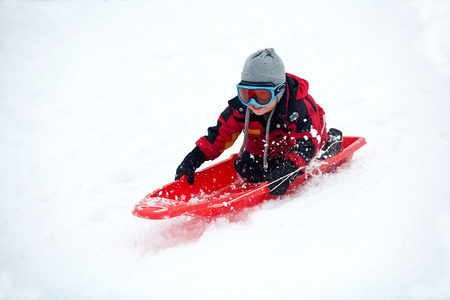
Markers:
311,169
308,170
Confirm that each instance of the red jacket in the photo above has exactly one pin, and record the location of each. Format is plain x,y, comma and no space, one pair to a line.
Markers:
297,129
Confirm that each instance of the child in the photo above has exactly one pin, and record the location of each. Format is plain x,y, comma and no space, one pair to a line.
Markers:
284,128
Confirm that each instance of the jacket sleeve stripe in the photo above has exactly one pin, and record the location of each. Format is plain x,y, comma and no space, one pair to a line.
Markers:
221,136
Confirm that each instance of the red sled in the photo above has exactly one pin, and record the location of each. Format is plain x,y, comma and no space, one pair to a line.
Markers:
219,190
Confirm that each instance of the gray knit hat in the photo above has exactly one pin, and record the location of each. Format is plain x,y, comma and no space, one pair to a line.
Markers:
264,66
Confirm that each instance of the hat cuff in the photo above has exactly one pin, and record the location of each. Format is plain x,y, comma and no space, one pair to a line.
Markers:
262,78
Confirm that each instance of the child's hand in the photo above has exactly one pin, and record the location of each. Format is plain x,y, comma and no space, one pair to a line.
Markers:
281,176
190,163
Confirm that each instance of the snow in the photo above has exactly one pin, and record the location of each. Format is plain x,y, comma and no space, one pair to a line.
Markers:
101,100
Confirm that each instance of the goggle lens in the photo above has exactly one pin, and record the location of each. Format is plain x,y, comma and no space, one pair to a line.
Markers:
261,96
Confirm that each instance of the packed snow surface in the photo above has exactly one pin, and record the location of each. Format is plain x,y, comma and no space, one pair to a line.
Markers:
101,100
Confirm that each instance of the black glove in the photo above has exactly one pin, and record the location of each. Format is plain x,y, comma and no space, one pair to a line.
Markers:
278,188
190,163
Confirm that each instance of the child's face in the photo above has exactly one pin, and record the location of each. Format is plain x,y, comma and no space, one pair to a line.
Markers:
258,110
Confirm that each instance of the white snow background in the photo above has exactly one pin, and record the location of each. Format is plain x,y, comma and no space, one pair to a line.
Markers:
101,100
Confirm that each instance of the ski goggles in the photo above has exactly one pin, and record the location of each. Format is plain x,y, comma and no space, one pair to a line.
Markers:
259,94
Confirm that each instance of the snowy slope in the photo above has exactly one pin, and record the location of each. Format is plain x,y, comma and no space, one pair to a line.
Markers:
101,100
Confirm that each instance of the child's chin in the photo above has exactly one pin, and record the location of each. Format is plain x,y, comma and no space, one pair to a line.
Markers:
258,110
